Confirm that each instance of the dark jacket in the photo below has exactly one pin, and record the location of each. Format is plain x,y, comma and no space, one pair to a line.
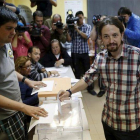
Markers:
26,96
49,59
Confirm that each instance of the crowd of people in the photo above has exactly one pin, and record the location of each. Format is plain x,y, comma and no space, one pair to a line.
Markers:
26,51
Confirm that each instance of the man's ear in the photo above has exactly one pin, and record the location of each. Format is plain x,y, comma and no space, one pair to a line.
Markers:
100,37
122,35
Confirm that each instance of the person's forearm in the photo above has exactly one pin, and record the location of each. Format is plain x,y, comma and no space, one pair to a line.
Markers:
81,85
26,39
82,34
12,8
68,38
11,104
53,3
14,42
20,77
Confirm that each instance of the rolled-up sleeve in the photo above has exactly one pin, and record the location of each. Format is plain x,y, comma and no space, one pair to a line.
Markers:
92,74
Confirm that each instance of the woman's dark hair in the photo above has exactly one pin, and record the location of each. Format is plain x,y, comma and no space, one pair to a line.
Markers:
123,11
61,48
6,15
20,17
110,21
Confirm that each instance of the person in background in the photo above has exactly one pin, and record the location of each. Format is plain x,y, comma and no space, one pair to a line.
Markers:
98,45
12,108
40,34
57,29
11,6
132,29
45,6
38,72
23,66
57,57
21,41
80,50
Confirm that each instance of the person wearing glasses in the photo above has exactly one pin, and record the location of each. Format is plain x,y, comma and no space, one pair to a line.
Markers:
23,66
38,72
57,56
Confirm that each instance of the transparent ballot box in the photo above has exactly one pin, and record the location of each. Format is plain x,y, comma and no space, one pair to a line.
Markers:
65,126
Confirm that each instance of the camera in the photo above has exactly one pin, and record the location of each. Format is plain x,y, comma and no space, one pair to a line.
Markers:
35,30
21,29
122,19
71,19
96,19
59,24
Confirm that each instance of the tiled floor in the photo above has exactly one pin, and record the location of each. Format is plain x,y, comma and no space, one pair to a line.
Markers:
93,106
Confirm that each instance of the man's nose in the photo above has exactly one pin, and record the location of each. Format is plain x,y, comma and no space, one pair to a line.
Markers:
111,39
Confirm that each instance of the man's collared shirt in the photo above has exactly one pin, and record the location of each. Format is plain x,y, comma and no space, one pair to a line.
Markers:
121,79
80,44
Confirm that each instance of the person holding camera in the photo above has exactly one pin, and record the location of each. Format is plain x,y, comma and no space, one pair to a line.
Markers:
79,36
57,29
21,41
132,30
45,6
40,34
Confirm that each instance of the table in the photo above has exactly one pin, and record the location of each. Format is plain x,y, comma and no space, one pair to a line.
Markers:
86,133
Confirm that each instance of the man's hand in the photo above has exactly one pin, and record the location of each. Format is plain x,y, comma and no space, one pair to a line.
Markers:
60,31
76,27
34,111
59,62
63,95
53,27
35,84
43,70
55,73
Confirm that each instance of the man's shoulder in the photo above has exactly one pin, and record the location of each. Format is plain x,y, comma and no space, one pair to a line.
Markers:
131,49
8,46
45,27
86,25
102,54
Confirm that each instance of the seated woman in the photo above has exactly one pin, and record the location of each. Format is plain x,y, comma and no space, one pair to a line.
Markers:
21,41
23,65
57,56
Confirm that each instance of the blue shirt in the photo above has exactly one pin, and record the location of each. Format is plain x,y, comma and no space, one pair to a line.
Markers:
132,32
79,44
26,96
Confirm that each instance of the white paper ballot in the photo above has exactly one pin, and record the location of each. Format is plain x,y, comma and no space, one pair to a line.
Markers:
73,81
49,87
59,70
50,108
